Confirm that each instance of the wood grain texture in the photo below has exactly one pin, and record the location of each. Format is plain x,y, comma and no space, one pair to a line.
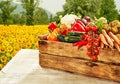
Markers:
81,66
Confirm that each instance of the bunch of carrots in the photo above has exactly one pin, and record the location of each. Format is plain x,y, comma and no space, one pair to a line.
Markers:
109,40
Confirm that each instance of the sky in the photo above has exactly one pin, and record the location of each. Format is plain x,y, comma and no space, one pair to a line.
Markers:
52,5
117,2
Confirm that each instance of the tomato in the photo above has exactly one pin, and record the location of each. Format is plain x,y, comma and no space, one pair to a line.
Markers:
96,43
96,51
89,53
89,39
87,28
94,28
94,57
97,39
89,45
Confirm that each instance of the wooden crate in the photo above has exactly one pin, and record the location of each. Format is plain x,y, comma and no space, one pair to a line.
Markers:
66,57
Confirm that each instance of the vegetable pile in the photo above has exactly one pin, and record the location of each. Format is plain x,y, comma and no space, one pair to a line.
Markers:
94,34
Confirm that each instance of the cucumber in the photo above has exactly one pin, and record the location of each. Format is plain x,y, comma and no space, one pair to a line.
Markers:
61,37
72,39
73,33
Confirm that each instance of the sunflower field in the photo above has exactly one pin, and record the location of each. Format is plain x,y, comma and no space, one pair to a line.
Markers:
16,37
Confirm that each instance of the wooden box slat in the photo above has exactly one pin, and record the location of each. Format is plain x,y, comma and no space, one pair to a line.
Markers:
81,66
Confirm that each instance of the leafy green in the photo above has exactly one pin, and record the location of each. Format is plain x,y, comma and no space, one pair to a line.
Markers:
100,25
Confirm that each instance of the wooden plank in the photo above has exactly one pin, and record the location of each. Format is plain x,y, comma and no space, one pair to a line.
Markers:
81,66
68,50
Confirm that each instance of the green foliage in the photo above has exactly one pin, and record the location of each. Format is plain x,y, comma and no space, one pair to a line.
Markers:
1,19
58,16
40,16
6,10
51,18
16,20
29,6
23,19
92,8
108,10
83,7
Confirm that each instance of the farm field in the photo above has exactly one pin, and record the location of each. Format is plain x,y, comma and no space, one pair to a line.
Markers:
16,37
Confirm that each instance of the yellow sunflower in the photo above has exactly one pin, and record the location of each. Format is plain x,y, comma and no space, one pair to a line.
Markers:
16,48
8,54
28,45
2,49
3,59
9,48
23,46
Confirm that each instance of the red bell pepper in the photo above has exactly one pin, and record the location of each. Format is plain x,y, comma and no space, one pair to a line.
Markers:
79,21
52,26
78,27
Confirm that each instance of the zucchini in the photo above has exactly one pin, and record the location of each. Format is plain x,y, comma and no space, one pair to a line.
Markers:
72,39
61,37
73,33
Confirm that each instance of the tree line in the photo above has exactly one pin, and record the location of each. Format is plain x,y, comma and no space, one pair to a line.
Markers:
33,14
92,8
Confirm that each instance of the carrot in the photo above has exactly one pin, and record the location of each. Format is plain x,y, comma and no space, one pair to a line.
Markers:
109,40
117,46
103,39
101,44
115,38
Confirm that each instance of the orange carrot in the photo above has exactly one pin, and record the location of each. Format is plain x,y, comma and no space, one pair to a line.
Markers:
115,38
109,40
117,46
103,39
101,44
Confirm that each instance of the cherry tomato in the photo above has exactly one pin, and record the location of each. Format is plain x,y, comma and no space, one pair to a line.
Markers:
89,39
87,28
96,51
89,45
94,57
96,43
97,39
94,28
89,53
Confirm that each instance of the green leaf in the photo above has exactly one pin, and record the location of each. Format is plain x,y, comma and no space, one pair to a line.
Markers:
100,25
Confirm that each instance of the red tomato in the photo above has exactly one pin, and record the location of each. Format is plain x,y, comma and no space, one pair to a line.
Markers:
97,39
89,45
96,51
89,53
94,28
96,43
89,39
94,57
87,28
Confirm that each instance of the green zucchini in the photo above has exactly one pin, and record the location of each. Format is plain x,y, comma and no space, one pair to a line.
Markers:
73,33
72,39
61,37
